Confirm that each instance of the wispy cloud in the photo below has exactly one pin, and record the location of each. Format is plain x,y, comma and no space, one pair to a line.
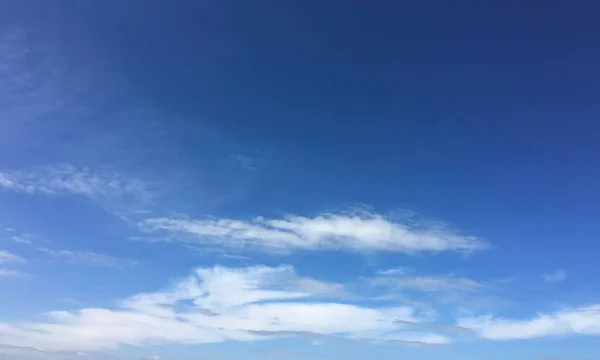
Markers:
219,304
562,357
32,353
352,232
15,236
66,179
399,271
28,88
246,162
555,277
6,256
582,320
12,273
437,283
89,258
22,239
437,292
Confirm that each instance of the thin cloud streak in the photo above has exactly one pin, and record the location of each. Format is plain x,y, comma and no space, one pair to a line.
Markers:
582,321
7,256
437,283
31,353
65,179
12,273
89,258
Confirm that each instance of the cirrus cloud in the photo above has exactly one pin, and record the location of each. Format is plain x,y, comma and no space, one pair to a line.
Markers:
63,179
438,283
89,258
352,232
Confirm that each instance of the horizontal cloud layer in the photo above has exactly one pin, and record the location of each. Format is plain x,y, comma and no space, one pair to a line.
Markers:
89,258
582,320
219,304
353,232
438,283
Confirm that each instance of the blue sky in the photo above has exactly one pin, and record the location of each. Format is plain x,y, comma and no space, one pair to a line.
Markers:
228,179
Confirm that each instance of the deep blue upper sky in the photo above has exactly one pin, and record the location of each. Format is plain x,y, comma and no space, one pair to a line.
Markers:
480,114
490,108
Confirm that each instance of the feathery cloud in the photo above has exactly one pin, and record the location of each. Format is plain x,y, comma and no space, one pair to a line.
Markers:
66,179
352,232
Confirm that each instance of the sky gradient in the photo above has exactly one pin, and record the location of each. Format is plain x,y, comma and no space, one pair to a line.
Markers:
310,180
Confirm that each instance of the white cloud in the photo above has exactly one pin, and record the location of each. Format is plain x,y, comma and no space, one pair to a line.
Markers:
89,258
555,277
6,256
353,232
394,271
582,320
214,305
66,179
11,273
22,239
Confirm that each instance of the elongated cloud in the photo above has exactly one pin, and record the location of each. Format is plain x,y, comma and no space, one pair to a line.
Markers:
66,179
116,193
11,273
582,320
89,258
30,353
220,304
353,232
440,283
7,256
